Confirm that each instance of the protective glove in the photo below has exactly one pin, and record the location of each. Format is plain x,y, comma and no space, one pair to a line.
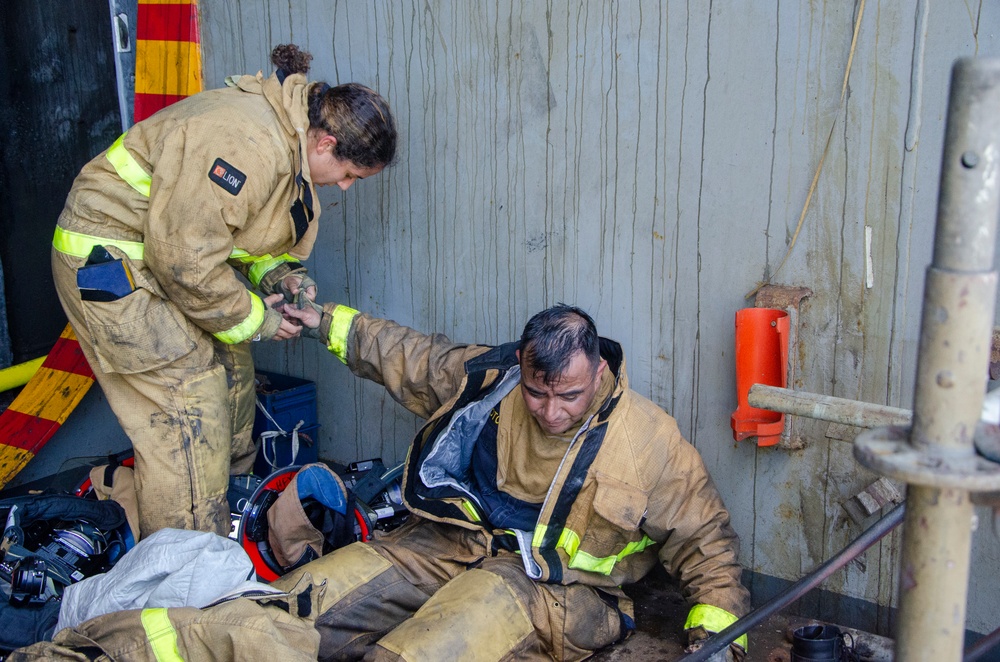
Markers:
269,327
297,279
697,637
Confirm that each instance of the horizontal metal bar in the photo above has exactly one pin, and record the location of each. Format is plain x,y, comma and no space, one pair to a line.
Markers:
826,407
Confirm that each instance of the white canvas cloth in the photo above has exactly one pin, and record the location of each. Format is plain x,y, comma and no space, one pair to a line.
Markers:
171,568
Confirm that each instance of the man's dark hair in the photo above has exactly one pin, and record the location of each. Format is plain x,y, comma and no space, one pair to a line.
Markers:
552,336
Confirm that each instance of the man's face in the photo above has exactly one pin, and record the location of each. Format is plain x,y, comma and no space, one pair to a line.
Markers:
562,404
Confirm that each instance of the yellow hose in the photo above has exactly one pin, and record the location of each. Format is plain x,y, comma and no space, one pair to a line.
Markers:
20,374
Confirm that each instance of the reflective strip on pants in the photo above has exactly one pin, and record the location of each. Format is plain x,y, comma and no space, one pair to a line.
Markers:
161,635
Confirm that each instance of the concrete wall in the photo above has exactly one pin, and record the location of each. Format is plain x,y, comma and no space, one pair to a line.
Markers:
648,162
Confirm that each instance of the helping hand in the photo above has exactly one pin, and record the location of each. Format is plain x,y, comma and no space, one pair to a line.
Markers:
309,315
296,283
289,328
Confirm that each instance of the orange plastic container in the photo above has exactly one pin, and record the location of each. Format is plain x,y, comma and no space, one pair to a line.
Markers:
761,358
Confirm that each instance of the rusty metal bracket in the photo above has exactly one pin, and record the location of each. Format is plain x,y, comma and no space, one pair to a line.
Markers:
787,298
889,452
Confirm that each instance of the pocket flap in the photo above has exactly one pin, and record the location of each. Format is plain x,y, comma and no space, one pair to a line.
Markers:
620,503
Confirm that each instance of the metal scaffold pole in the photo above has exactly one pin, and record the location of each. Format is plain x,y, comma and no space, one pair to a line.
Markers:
936,456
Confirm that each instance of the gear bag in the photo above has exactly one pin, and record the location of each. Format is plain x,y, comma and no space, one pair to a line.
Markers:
49,542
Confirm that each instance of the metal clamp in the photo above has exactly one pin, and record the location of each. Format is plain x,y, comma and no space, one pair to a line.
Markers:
888,451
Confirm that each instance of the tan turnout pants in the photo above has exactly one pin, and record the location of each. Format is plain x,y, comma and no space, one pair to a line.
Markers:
185,400
272,627
428,592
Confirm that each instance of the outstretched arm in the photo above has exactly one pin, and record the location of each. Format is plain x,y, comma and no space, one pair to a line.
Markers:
420,371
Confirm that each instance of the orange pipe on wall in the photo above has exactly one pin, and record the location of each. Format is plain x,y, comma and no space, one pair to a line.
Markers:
761,358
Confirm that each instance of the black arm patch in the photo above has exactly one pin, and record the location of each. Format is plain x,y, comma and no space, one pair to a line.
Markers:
226,176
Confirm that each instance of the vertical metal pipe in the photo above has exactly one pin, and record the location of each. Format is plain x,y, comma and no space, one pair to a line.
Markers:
952,367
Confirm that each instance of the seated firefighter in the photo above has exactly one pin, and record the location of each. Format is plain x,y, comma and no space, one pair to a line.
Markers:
539,484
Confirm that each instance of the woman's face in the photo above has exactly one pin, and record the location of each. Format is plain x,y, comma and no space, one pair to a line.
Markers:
326,169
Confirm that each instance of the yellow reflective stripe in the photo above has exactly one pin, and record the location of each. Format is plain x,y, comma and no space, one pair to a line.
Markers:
569,541
245,329
262,264
80,245
340,326
161,635
713,619
470,509
604,565
127,167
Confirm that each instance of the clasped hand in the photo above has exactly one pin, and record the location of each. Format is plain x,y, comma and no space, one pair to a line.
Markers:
297,318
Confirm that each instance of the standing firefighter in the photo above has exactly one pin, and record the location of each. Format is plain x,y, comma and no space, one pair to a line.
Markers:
146,255
539,484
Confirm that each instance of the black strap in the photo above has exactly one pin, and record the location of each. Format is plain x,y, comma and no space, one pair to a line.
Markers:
105,515
109,476
302,208
338,529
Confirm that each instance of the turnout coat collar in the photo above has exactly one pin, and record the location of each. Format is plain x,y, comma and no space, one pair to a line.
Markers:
454,501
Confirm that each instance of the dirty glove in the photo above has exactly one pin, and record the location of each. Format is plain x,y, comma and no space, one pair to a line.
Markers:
698,636
269,327
297,279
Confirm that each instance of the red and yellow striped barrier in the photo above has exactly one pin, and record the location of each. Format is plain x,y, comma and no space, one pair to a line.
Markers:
43,405
167,54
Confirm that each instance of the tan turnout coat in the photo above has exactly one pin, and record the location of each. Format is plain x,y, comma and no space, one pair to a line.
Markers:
262,627
630,482
189,223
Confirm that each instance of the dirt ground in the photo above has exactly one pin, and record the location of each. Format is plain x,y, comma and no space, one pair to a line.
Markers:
660,614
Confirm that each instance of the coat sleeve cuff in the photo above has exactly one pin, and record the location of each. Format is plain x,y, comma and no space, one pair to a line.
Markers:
269,281
270,325
335,327
253,323
713,620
